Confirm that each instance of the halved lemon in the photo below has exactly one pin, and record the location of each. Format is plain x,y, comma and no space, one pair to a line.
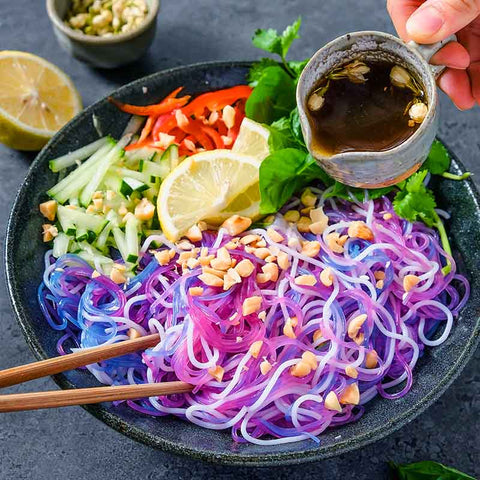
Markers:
36,99
202,186
252,139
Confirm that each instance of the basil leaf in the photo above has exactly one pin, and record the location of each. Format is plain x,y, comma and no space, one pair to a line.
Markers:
427,471
283,173
281,136
296,126
273,97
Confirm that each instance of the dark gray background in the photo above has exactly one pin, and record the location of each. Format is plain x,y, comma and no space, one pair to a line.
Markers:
69,443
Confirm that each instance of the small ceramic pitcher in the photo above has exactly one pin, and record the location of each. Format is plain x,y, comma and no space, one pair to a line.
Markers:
375,169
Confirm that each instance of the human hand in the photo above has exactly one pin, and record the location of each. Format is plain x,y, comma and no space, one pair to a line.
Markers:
430,21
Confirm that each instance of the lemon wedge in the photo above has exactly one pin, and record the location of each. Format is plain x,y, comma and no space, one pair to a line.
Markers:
252,139
36,99
204,185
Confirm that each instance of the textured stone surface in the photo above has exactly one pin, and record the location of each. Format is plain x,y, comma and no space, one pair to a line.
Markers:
52,444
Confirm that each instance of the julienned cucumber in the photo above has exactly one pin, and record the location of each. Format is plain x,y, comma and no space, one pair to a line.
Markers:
130,185
103,165
73,219
131,239
73,183
60,244
72,158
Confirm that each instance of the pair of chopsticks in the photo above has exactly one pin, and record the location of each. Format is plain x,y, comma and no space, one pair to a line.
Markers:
62,398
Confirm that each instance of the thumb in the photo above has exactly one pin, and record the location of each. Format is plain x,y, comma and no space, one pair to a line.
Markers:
435,20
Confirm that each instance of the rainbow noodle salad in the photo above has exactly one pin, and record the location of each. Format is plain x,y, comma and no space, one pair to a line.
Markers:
251,372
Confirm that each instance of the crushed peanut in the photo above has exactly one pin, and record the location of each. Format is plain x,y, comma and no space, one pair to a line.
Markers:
250,238
311,249
132,333
271,269
332,403
387,216
223,260
213,271
194,234
355,325
217,372
236,224
274,236
251,305
409,281
228,116
317,335
265,367
326,277
301,369
308,280
231,278
351,395
359,229
334,242
379,275
292,216
262,253
49,209
283,260
371,359
262,278
351,371
310,358
288,328
211,280
308,198
49,232
195,291
245,268
303,225
255,348
117,276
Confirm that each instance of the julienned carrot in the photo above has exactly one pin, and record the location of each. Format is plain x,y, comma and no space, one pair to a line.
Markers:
164,106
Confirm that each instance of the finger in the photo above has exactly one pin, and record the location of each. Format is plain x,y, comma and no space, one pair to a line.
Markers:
400,11
452,55
474,73
435,20
456,84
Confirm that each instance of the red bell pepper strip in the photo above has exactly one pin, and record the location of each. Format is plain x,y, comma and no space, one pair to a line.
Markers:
174,93
146,143
217,100
164,106
164,124
147,128
214,135
194,128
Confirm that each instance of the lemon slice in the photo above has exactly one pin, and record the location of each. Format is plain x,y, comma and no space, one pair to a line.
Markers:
36,99
202,186
252,140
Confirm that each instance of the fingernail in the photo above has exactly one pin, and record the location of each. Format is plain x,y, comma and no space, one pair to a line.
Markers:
425,21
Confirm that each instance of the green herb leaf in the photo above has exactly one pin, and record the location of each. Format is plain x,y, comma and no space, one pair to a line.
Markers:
283,173
427,471
296,127
270,41
297,67
438,160
257,69
289,35
281,136
343,191
273,97
416,202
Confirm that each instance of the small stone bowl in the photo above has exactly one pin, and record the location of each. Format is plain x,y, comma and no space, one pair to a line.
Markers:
103,52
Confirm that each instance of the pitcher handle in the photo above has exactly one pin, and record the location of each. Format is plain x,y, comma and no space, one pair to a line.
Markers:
427,52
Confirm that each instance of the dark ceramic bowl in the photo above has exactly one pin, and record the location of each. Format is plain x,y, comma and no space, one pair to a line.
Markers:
24,266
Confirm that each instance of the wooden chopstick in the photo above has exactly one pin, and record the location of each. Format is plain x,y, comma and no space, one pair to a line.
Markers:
17,402
43,368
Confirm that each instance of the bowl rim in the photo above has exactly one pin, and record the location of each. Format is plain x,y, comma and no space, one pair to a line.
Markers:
224,458
92,39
